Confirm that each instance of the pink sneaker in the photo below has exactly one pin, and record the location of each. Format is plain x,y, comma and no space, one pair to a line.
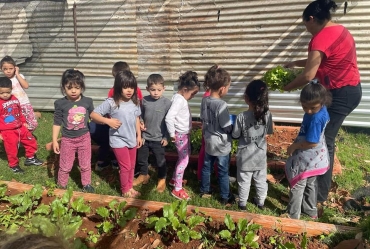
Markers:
181,194
172,182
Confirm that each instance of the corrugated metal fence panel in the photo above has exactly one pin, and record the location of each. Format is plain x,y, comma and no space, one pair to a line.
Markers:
170,37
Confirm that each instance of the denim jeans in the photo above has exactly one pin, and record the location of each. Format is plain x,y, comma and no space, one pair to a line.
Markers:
223,174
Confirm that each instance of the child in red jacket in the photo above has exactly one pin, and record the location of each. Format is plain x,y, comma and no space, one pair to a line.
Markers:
14,130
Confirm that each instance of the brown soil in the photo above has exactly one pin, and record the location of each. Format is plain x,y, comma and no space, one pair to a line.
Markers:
137,236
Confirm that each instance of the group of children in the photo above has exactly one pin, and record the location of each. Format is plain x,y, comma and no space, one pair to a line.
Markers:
131,125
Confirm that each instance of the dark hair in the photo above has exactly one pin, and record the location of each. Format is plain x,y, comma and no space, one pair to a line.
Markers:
124,79
5,82
257,94
154,79
32,241
320,10
7,59
72,77
216,78
189,80
314,93
120,66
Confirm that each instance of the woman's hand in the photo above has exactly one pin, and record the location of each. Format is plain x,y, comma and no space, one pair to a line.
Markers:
114,123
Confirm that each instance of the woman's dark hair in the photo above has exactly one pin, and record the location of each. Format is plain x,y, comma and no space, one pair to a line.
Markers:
124,79
320,10
314,93
257,94
188,80
216,78
72,77
7,59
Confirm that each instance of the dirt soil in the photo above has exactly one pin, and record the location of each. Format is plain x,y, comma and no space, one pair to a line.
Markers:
278,142
137,236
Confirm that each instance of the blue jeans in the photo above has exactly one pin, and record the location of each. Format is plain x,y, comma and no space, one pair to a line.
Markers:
223,174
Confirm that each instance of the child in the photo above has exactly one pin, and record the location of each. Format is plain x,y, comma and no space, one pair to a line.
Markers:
19,83
216,128
178,121
100,133
124,132
72,112
153,111
308,154
250,128
13,129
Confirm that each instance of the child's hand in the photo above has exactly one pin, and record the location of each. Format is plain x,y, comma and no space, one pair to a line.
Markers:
291,149
114,123
139,142
16,70
164,142
56,147
142,126
25,125
173,139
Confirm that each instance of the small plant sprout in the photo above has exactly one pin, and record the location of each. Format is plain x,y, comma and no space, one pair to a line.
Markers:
92,237
175,223
114,217
244,234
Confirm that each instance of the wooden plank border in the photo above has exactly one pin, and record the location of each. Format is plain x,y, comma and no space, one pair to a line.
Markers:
284,224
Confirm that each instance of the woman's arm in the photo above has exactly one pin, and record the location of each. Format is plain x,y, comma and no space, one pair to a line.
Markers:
20,79
298,63
312,65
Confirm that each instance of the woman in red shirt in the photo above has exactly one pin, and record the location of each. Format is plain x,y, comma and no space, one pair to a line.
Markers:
332,60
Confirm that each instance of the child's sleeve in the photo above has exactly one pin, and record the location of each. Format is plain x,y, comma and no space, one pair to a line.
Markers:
165,133
58,113
171,117
237,129
91,106
313,132
104,108
224,119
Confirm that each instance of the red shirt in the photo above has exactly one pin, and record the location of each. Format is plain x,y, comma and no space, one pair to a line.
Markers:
139,93
338,68
11,116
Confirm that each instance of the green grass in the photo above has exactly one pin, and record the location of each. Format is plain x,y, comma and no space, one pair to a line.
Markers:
352,143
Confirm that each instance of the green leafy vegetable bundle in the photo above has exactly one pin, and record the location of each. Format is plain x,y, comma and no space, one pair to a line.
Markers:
278,77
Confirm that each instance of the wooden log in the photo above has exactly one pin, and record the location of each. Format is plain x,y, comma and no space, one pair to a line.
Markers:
284,224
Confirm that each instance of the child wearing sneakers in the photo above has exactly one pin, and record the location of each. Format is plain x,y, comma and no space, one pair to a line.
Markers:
153,112
13,129
251,128
178,121
216,128
71,116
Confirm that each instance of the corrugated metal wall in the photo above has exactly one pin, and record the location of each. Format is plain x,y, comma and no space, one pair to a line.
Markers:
170,37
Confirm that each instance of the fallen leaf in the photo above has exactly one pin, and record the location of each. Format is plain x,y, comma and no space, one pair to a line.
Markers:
151,240
367,161
275,178
200,246
137,238
97,183
355,219
284,199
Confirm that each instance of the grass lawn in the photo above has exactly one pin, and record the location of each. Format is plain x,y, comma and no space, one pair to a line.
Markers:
353,153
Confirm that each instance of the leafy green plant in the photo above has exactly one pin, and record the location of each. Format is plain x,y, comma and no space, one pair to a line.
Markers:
278,77
196,140
175,223
25,201
114,217
244,234
289,245
3,189
92,237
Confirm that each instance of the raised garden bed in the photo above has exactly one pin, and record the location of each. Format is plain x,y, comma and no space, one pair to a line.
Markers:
135,234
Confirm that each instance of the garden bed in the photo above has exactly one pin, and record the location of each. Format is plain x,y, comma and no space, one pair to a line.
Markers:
135,233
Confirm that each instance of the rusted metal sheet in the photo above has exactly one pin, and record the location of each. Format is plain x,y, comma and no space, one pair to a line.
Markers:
170,37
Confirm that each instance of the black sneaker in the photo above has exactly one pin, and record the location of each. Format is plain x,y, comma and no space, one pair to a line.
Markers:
243,208
255,202
88,189
16,169
33,161
230,200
